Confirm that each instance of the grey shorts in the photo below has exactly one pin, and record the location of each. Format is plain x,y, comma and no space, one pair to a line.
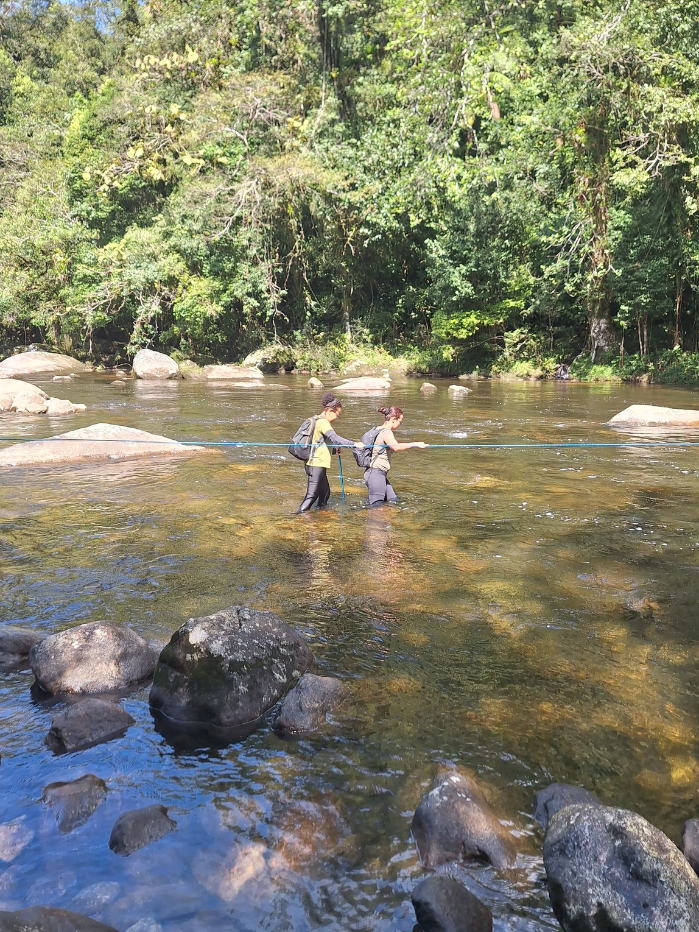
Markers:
379,485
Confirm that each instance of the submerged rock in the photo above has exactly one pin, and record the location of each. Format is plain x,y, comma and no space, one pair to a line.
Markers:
75,800
95,657
147,924
91,899
454,822
458,391
609,870
557,796
305,707
443,904
49,919
15,644
365,383
225,876
690,842
226,670
98,442
38,363
655,416
313,382
232,373
88,722
14,837
147,364
428,388
140,827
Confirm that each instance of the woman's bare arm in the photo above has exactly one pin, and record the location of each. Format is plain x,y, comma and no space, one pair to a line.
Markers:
392,444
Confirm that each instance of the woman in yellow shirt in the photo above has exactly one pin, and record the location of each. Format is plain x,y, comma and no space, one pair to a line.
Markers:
318,488
385,445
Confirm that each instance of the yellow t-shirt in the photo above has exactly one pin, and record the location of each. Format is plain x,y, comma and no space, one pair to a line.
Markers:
321,453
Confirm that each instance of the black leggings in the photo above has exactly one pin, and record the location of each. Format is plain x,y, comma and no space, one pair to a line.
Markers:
379,485
318,488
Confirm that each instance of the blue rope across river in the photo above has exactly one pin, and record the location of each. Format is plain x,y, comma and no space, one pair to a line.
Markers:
430,446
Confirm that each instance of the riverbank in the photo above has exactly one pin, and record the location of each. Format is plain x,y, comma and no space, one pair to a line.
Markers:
339,357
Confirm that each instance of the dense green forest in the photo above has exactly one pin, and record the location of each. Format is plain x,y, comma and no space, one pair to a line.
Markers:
508,185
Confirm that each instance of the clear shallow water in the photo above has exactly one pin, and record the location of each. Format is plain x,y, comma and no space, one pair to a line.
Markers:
530,615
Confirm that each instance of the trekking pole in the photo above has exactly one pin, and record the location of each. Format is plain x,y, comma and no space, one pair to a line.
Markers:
342,484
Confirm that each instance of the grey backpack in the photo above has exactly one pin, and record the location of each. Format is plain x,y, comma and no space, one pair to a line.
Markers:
302,441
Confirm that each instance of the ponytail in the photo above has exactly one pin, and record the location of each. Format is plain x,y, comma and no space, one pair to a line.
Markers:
388,413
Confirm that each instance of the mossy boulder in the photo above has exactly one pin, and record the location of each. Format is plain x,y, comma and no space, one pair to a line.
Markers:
609,870
226,670
272,358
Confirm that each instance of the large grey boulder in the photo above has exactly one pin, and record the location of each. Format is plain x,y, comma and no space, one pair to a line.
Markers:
557,796
75,800
305,707
38,364
95,657
49,919
232,373
226,670
690,842
147,364
140,827
92,444
609,870
88,722
25,398
443,904
655,416
15,644
454,822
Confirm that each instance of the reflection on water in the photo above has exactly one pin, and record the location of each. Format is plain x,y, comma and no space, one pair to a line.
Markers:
529,615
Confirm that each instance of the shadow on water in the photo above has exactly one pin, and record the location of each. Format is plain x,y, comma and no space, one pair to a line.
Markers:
529,615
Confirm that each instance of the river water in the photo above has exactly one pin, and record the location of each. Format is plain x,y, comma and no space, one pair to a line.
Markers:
529,615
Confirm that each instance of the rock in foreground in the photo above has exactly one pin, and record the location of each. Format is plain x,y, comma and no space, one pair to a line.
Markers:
690,842
139,827
38,363
454,822
226,670
147,364
89,722
609,870
305,707
365,383
75,800
655,416
557,796
443,904
89,444
96,657
15,644
48,919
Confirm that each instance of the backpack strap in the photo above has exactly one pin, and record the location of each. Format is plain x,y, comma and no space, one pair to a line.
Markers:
376,453
314,446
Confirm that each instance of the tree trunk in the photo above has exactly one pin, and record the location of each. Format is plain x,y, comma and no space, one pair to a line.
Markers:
346,311
678,307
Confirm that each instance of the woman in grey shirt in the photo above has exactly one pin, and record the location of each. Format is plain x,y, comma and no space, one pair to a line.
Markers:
385,445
